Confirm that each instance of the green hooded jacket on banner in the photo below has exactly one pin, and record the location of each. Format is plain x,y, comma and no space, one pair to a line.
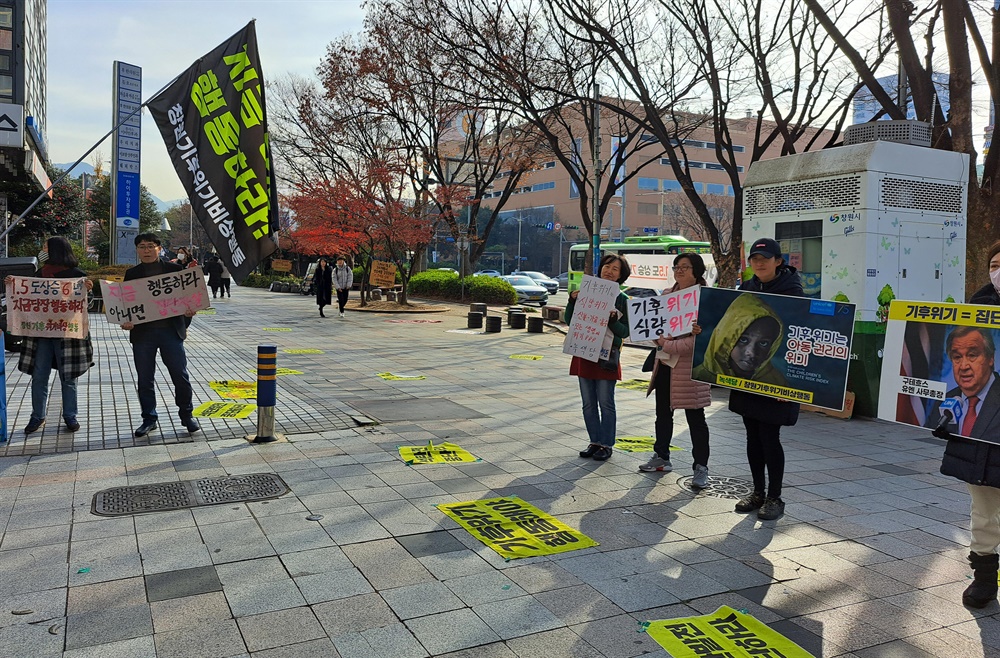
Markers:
744,311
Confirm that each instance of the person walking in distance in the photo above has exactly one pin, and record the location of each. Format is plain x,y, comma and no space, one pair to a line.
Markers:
165,336
213,268
675,388
70,357
343,279
225,280
323,283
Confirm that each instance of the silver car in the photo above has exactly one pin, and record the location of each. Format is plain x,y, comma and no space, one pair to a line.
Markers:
527,290
550,284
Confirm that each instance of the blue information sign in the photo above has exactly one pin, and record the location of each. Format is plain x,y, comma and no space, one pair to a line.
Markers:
651,229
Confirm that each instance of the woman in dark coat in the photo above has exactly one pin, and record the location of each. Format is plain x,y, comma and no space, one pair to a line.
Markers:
70,357
213,268
764,416
978,464
323,284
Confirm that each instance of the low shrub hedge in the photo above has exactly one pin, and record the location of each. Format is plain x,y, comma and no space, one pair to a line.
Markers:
447,285
265,280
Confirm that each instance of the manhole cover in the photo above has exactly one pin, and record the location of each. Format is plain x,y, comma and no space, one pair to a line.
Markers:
121,501
721,487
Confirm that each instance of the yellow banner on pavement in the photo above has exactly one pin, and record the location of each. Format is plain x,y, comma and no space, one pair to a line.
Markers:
634,384
388,376
277,328
441,453
638,444
725,632
235,390
207,311
304,350
526,357
224,410
514,528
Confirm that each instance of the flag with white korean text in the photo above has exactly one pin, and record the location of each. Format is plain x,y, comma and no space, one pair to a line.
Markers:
214,123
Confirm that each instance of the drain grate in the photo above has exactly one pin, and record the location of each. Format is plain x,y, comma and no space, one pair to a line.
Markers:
721,487
121,501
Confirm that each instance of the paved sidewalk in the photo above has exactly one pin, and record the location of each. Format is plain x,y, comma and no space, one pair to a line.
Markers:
868,560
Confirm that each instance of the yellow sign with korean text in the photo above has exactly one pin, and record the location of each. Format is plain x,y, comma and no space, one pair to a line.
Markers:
638,444
382,275
224,410
304,350
634,384
281,265
774,390
207,311
525,357
514,528
277,328
441,453
282,371
235,390
965,315
388,376
725,632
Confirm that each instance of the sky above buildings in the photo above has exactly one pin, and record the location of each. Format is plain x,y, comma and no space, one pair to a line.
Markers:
165,37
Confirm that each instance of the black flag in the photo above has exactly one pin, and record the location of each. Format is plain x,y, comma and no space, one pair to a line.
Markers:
214,122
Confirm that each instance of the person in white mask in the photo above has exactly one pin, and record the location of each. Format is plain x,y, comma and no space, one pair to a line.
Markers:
978,464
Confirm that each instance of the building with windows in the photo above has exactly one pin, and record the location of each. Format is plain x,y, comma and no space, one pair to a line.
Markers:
23,66
866,107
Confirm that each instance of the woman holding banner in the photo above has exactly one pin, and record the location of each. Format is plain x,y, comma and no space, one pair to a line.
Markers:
978,464
70,357
763,416
597,380
676,390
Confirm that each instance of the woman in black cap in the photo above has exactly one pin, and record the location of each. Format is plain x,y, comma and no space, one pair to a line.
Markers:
764,416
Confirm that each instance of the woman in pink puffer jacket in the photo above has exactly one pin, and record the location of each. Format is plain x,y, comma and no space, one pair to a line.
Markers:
671,379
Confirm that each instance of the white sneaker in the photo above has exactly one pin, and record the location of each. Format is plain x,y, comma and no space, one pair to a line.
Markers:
342,314
657,463
700,479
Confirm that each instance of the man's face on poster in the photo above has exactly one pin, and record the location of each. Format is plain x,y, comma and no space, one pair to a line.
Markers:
970,363
753,346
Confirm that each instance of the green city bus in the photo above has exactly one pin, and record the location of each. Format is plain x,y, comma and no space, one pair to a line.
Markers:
666,246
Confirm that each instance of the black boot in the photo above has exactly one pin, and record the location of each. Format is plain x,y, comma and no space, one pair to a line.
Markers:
983,589
321,312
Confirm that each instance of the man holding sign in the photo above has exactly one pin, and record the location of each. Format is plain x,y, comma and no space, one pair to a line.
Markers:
163,335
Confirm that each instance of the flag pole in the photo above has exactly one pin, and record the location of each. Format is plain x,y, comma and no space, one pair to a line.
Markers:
89,151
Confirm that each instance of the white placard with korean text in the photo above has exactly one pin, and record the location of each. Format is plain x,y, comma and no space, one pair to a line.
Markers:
589,324
155,298
47,308
671,314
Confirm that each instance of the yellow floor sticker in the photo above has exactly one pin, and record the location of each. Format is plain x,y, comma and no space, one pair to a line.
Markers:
634,384
388,376
207,311
638,444
281,371
725,632
224,410
235,390
441,453
277,328
308,350
526,357
514,528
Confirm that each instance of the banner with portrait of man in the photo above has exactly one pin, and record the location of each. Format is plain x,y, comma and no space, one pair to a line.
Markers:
790,348
939,368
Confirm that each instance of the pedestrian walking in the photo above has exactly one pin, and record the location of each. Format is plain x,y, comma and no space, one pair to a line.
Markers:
597,380
165,336
343,279
671,380
70,357
225,281
977,463
763,416
323,285
213,268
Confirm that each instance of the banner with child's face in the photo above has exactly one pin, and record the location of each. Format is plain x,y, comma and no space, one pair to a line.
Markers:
790,348
939,368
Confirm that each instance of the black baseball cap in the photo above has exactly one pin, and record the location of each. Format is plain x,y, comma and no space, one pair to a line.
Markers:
765,247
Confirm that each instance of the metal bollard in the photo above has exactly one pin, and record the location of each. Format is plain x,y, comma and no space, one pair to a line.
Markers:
267,392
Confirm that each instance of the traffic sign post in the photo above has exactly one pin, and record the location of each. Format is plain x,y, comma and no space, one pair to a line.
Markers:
125,151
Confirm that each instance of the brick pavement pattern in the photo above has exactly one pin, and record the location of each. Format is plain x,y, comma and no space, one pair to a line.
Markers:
869,560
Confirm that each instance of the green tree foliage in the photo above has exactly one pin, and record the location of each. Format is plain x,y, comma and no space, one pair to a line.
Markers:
62,214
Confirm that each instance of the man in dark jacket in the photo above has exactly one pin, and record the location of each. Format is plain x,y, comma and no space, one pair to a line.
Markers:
164,336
